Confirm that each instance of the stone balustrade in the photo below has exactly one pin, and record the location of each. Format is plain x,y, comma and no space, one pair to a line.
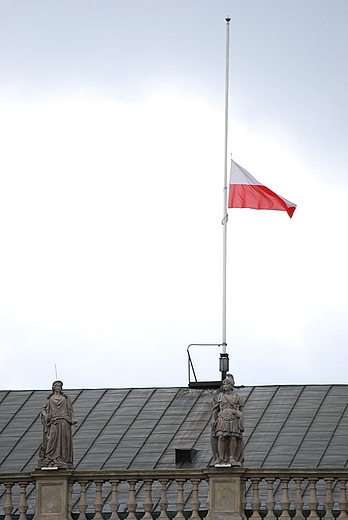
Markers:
295,493
215,493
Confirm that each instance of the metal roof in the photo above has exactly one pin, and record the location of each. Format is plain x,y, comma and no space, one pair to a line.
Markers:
140,428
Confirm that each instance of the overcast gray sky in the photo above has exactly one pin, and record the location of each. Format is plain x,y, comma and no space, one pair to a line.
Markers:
111,177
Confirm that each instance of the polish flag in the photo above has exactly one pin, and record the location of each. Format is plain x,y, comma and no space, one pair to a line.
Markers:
247,192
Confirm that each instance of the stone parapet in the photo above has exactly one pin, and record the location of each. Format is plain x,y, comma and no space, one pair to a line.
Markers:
230,493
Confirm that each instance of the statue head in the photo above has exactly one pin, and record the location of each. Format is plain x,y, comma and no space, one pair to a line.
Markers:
57,385
228,382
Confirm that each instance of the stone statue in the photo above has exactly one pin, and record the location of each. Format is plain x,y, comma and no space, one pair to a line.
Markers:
57,417
228,426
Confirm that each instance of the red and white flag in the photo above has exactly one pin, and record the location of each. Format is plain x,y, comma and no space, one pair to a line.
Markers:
247,192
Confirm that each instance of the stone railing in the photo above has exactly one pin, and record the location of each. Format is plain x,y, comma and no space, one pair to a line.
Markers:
215,493
295,493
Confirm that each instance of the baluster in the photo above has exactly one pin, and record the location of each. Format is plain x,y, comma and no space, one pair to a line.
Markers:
70,503
195,503
270,502
313,501
148,504
285,501
255,500
114,502
163,500
82,502
243,497
98,502
34,503
8,506
328,499
207,504
298,500
23,504
132,502
180,503
343,500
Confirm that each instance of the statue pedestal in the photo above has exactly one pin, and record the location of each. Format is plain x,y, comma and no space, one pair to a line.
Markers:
52,495
225,500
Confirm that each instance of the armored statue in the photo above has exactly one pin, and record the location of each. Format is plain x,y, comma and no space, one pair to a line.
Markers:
228,426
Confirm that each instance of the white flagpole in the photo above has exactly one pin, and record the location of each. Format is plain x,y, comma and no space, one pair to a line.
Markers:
224,355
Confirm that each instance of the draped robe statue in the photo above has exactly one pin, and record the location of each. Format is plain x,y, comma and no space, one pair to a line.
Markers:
57,417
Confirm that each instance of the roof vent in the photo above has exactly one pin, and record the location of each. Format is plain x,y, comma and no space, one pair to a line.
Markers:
184,455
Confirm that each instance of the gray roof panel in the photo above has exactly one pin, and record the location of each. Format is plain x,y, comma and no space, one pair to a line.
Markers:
140,428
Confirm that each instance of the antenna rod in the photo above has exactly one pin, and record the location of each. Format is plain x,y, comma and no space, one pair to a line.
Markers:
224,356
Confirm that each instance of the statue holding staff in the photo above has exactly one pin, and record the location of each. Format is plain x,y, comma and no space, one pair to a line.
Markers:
228,426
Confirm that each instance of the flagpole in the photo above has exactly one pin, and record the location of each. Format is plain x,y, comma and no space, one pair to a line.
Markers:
224,361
